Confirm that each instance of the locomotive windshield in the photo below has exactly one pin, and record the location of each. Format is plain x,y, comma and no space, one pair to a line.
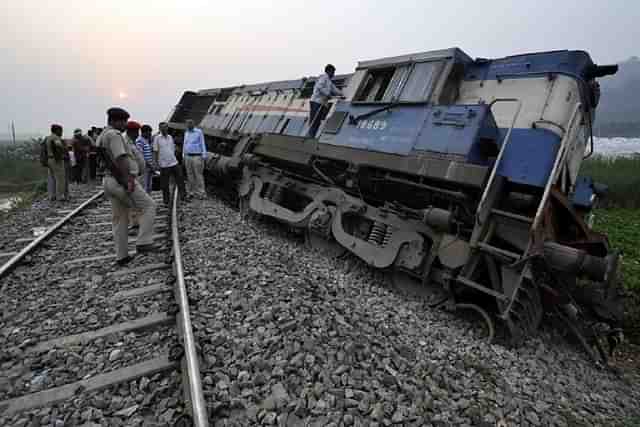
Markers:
402,83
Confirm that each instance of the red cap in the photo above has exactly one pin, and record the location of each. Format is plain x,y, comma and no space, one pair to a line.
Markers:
133,125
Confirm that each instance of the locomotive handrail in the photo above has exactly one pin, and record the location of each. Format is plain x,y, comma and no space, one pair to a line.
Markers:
556,164
505,141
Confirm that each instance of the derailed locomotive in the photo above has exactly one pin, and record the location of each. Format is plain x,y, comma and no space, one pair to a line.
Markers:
453,174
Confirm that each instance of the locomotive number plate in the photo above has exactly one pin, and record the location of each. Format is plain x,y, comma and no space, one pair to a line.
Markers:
372,124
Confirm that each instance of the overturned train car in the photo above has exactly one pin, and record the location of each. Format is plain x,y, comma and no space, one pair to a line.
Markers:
451,173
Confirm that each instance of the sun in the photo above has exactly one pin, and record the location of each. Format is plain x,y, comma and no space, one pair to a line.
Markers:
122,94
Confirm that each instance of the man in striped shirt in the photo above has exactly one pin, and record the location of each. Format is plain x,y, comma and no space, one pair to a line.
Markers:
144,145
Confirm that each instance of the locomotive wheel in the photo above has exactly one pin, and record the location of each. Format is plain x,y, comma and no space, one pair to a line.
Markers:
489,329
327,247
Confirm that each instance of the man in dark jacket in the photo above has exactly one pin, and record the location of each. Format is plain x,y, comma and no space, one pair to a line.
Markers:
81,149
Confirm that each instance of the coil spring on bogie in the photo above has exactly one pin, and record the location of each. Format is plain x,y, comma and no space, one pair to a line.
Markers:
387,236
377,233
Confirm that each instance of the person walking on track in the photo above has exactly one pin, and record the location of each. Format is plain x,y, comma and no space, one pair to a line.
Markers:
164,151
56,151
122,188
194,153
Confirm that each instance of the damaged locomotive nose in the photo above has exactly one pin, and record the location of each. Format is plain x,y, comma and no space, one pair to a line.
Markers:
576,261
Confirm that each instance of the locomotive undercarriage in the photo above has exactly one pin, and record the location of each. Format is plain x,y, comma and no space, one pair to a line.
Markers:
427,233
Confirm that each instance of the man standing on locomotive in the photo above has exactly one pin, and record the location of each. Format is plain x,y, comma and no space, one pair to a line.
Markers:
194,152
122,188
322,91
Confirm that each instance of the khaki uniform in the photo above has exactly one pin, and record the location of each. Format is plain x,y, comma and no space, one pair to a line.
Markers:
134,214
122,202
195,178
56,167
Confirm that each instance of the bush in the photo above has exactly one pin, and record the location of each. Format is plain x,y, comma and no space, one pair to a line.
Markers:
621,174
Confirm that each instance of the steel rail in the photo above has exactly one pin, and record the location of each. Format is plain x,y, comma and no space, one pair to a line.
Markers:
6,267
199,409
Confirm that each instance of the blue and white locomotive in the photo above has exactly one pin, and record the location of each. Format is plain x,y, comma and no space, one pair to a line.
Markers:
450,173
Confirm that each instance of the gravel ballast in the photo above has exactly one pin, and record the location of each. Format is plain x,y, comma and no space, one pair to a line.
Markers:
45,298
292,338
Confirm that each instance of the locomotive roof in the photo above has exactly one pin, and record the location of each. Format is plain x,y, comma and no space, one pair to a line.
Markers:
453,52
573,62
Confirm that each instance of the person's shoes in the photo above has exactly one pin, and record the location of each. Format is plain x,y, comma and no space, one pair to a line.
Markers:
124,261
143,249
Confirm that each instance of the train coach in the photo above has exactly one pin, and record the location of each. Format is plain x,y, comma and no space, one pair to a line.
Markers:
455,175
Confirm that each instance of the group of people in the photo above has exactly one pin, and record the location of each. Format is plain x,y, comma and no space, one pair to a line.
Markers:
129,155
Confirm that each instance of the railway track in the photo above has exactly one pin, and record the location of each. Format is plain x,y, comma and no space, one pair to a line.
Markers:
85,342
284,337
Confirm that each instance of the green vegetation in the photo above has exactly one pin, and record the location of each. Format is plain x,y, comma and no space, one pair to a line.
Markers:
20,175
621,174
623,228
20,170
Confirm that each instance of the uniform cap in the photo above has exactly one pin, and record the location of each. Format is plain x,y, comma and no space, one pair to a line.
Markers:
117,113
133,125
77,131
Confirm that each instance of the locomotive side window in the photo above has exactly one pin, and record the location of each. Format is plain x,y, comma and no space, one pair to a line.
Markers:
420,82
404,83
375,85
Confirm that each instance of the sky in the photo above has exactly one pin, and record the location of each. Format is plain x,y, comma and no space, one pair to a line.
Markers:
69,61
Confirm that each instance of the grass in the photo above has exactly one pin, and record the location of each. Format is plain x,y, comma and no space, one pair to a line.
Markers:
621,175
20,175
623,228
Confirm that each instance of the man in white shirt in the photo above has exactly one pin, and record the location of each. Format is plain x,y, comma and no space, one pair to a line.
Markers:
164,152
322,91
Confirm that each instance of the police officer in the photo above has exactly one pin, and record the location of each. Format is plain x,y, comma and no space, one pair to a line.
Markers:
122,188
55,151
131,136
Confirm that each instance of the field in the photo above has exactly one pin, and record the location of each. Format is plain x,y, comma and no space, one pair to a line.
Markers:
621,174
20,170
619,218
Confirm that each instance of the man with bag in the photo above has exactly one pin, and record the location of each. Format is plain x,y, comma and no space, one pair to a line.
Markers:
55,153
122,188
